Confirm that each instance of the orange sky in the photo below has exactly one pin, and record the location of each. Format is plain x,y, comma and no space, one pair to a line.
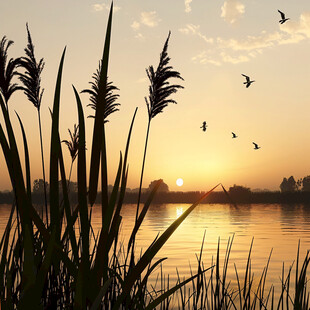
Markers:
211,45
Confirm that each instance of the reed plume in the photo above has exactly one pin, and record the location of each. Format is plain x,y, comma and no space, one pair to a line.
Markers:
31,80
160,91
7,70
73,145
103,94
110,96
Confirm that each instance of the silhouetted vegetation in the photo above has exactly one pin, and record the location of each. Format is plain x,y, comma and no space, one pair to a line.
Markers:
7,70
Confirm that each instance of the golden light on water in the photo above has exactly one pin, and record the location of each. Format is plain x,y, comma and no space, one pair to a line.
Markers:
179,211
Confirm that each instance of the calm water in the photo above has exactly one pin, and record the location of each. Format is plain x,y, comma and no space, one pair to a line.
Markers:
273,226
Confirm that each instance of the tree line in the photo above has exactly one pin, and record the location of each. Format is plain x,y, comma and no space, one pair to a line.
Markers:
291,185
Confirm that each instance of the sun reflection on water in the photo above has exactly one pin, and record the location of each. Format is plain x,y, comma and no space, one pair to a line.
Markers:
179,211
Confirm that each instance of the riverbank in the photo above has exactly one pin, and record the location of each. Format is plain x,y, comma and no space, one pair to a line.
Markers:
192,196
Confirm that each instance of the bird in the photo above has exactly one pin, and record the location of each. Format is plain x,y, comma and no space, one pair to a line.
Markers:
256,147
248,81
204,126
234,135
283,19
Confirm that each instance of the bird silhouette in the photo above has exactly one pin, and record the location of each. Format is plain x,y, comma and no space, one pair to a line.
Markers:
256,147
204,126
248,81
234,135
283,19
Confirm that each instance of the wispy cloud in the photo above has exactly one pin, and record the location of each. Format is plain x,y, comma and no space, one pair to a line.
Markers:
300,27
232,11
204,58
234,60
188,6
149,19
135,25
139,36
195,30
97,7
236,51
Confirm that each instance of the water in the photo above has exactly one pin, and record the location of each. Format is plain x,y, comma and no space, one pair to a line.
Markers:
273,226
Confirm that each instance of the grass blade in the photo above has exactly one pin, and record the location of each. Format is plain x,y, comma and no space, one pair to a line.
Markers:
153,250
98,125
165,295
54,155
27,164
143,213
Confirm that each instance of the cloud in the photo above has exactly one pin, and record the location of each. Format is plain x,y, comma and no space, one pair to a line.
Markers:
149,19
234,60
204,58
188,6
250,43
300,27
195,30
97,7
232,11
237,51
139,36
135,25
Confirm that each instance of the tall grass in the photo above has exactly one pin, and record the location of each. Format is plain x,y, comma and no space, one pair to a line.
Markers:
31,80
53,265
64,264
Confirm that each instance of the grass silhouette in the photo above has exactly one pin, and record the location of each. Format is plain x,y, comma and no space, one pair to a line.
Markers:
31,80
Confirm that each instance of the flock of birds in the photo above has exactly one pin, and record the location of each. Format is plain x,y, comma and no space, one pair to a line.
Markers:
248,83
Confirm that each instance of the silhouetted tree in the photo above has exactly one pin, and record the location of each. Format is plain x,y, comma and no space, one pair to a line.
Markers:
7,70
38,186
288,185
306,184
159,96
299,184
162,188
239,193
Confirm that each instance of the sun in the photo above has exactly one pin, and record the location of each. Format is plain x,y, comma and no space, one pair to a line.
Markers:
179,182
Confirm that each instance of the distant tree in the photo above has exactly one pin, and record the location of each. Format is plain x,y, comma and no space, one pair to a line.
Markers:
288,185
162,188
38,186
306,184
299,184
240,193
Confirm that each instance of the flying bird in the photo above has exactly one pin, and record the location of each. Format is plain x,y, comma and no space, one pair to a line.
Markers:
283,19
204,126
256,147
248,81
234,135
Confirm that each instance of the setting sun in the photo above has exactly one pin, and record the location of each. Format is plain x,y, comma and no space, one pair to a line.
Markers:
179,182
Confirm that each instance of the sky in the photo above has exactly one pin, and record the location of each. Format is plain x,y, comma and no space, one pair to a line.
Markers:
212,43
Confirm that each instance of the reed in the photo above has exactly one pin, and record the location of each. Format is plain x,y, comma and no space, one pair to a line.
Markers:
31,80
8,69
73,146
